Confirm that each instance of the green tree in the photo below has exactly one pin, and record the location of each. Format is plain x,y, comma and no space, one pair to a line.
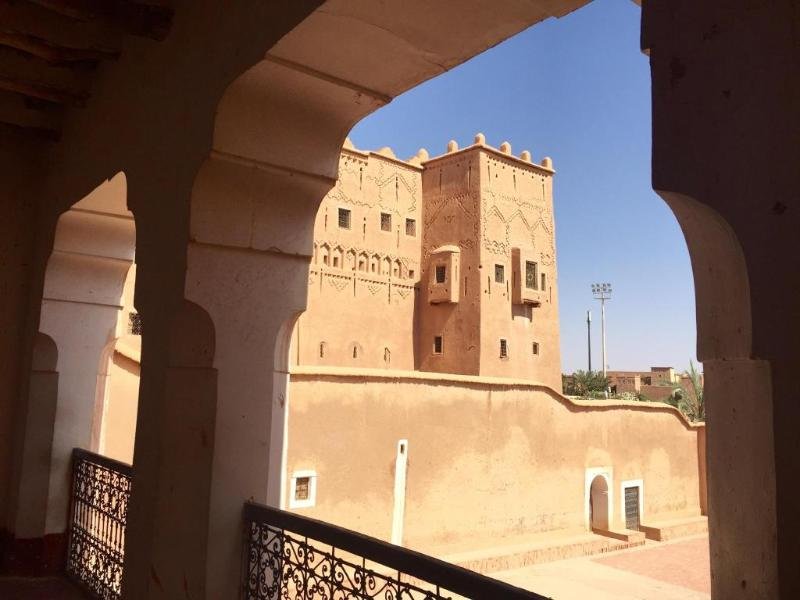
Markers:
588,383
689,398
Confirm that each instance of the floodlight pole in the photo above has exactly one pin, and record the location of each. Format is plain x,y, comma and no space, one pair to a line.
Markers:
602,292
603,328
589,337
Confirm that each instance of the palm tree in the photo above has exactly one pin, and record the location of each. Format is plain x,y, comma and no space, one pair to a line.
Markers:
690,401
587,383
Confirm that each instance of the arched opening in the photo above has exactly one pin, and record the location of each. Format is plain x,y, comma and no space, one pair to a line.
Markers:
86,309
599,508
495,208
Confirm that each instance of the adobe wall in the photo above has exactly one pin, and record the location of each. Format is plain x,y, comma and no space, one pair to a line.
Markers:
452,208
517,212
362,277
119,418
486,458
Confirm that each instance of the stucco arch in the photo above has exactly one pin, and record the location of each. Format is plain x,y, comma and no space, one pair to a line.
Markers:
280,126
93,252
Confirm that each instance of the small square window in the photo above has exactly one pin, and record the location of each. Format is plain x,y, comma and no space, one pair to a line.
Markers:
499,274
344,218
503,349
301,488
134,323
536,348
530,274
303,492
411,227
386,222
438,344
441,273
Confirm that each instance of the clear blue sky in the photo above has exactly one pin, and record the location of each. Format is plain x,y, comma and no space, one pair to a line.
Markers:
576,89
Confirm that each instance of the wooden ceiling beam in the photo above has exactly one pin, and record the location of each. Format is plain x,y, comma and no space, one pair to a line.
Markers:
55,38
36,78
55,55
40,123
42,91
135,18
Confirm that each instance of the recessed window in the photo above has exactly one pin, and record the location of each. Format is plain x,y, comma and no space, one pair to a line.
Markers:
336,262
344,218
134,323
303,492
441,273
362,264
535,348
386,222
503,348
411,273
499,274
544,281
411,227
301,488
322,348
530,274
438,344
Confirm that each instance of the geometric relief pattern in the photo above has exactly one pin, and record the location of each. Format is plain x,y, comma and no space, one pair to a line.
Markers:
384,186
337,282
348,254
101,489
444,207
530,216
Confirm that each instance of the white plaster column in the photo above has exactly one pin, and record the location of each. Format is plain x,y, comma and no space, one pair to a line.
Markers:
92,254
251,240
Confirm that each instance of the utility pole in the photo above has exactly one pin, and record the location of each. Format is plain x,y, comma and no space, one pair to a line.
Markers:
589,337
602,292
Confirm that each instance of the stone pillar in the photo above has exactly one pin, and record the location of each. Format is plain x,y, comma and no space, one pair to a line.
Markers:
251,233
726,145
18,173
92,254
31,552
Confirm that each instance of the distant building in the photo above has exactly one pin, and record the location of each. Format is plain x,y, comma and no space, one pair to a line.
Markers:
657,384
442,264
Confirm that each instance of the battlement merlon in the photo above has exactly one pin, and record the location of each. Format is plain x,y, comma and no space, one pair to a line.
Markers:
421,158
503,152
384,153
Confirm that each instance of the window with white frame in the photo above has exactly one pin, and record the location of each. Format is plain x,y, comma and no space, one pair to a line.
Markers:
303,489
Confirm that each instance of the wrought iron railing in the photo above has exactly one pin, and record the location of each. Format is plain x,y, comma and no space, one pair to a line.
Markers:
289,556
101,489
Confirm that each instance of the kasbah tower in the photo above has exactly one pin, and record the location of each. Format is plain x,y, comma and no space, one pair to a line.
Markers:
443,264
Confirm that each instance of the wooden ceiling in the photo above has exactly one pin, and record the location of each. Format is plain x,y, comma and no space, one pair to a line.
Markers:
49,51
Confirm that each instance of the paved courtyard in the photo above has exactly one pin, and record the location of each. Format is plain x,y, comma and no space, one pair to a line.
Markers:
677,570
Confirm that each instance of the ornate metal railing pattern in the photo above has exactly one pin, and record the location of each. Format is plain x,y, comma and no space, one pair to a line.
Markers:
101,489
292,557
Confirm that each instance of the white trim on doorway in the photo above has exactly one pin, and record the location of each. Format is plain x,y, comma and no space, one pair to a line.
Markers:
591,473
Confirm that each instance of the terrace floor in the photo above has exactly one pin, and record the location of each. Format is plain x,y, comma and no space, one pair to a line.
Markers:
674,570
